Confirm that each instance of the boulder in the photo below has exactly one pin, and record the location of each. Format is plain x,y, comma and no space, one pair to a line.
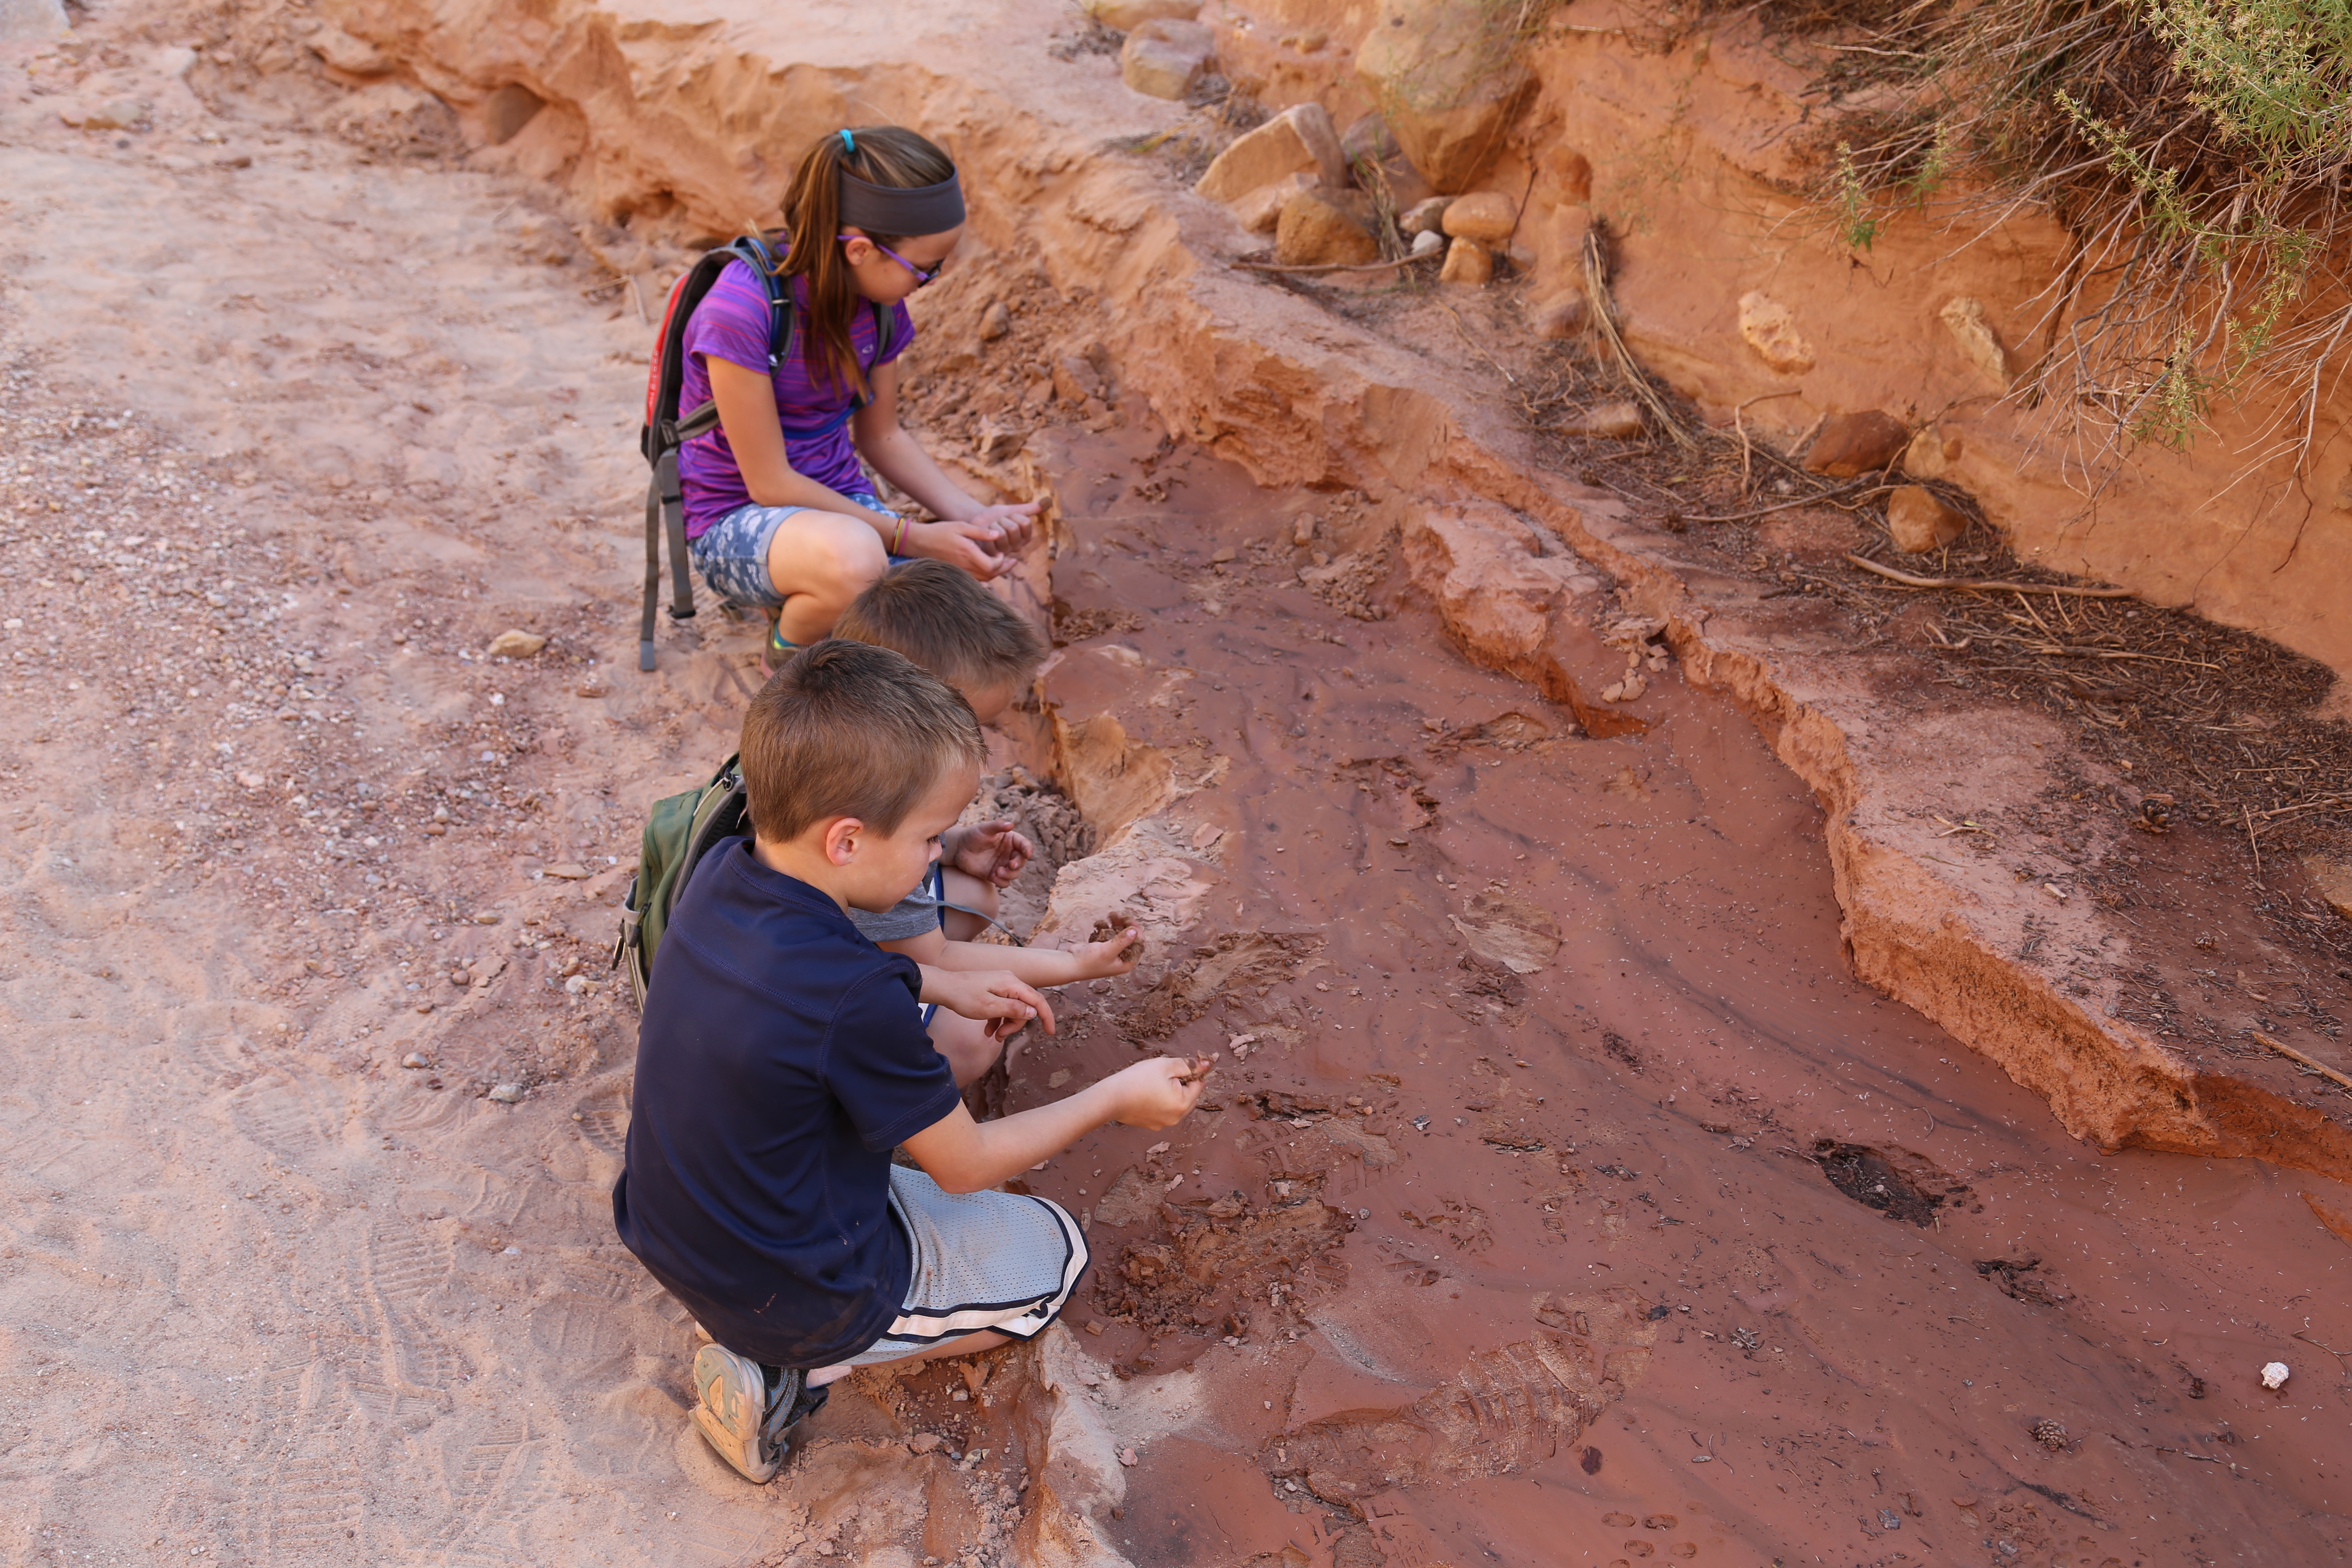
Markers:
1918,520
1770,328
1125,15
1261,210
1425,217
1315,231
30,20
1931,455
1851,444
1467,261
1449,79
1965,320
1486,216
1611,421
1165,59
1565,317
1298,139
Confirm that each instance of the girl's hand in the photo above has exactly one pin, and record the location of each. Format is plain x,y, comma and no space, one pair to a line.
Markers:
971,546
1013,524
1157,1093
996,997
989,850
1116,954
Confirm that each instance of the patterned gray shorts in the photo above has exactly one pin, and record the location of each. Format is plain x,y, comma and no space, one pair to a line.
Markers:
982,1260
733,553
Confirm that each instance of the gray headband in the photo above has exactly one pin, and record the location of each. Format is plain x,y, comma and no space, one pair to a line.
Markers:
893,209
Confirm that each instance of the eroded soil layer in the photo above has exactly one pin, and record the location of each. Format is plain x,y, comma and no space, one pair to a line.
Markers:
1566,1199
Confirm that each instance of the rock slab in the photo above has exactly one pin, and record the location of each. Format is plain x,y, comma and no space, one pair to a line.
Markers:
1300,138
1166,58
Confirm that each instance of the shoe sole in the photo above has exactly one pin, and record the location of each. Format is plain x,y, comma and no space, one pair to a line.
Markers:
729,1407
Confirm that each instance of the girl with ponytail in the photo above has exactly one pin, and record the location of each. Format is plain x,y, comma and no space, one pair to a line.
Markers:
779,511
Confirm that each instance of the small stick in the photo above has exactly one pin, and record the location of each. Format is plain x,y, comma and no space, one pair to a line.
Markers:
2322,1069
2251,842
1780,506
1339,265
2306,1339
1910,580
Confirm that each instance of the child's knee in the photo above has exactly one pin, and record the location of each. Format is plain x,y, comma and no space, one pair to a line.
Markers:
966,1043
827,556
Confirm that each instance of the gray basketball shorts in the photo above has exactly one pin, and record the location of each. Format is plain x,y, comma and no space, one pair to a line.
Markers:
1005,1261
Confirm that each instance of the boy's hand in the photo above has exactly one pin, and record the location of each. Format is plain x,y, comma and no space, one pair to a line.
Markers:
1160,1092
1115,955
991,852
995,996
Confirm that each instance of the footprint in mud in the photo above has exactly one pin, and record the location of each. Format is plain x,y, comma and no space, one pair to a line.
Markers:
1523,1401
1897,1182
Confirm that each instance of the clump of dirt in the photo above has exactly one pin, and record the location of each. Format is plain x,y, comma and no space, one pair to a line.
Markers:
1350,582
1898,1184
1216,1260
1050,820
2022,1279
1238,964
1076,625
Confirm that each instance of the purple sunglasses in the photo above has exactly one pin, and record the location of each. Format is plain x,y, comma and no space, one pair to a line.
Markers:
923,276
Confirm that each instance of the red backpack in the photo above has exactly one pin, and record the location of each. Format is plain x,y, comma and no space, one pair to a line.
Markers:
664,431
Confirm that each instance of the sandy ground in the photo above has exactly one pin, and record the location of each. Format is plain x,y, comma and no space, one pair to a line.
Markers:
1584,1264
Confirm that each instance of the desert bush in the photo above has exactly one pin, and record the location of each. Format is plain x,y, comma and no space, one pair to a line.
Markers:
2195,151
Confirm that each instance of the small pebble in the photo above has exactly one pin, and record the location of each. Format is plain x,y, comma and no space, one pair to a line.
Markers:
414,1060
507,1093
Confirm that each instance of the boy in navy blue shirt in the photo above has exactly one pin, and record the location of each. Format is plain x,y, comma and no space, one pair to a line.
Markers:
783,1056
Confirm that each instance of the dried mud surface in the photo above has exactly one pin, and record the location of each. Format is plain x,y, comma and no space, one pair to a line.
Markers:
1539,1216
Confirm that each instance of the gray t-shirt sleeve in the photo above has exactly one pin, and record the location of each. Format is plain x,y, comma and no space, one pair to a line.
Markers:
912,916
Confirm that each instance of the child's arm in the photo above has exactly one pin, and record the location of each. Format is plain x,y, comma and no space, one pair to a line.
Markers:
983,540
746,413
1002,1000
1046,965
966,1156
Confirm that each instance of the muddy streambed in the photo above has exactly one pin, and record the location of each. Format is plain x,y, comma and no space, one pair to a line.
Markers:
1566,1199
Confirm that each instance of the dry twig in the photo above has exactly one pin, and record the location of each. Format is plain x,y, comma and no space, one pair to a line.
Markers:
1910,580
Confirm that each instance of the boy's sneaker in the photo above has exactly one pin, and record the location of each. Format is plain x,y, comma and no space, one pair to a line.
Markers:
744,1415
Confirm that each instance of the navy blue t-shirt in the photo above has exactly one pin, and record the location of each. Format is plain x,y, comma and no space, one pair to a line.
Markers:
781,1058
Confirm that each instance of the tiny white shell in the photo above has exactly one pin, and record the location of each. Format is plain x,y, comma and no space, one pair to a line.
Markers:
2275,1375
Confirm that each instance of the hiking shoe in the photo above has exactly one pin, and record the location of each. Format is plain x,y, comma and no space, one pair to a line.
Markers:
744,1415
773,657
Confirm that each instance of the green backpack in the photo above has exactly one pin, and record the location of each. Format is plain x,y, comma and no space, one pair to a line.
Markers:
678,834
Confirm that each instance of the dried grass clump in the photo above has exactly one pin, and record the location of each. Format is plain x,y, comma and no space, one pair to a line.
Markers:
2195,150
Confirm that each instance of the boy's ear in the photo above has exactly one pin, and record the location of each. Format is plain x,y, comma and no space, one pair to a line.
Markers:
841,839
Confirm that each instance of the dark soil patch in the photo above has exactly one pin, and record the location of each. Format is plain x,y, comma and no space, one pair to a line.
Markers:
1872,1180
1225,1267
